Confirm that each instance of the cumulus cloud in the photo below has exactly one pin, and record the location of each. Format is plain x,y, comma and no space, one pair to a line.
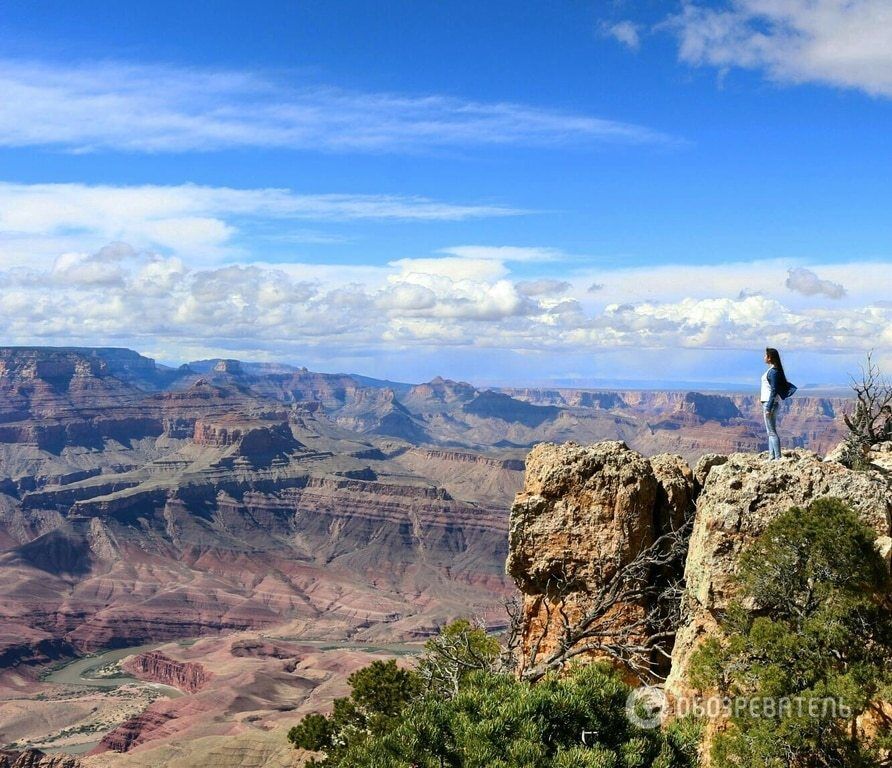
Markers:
624,32
200,221
121,294
843,43
154,108
807,283
77,269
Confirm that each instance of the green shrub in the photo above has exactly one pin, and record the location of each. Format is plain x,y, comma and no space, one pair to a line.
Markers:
815,628
489,720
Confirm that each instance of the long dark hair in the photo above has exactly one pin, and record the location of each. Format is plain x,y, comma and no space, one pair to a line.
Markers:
774,358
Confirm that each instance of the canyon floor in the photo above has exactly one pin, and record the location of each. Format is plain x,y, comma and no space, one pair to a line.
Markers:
266,530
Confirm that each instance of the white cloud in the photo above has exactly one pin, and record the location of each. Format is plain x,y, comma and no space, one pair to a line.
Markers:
844,43
121,294
77,269
143,108
451,267
624,32
198,221
807,283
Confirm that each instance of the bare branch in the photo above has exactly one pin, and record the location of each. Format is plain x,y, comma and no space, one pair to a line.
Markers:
870,420
630,615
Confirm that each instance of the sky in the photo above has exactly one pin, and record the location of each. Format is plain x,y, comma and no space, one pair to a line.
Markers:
540,193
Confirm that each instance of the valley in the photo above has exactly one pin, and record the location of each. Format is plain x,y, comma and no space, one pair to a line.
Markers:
288,523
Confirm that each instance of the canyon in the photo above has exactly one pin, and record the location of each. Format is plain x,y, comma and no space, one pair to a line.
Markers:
221,499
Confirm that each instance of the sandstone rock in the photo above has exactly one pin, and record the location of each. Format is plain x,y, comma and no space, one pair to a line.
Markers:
228,366
880,455
134,731
34,758
155,667
739,499
675,491
704,465
584,512
255,648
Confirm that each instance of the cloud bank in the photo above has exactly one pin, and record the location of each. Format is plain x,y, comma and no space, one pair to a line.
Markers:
121,294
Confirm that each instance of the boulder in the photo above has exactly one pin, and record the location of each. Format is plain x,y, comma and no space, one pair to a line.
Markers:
739,499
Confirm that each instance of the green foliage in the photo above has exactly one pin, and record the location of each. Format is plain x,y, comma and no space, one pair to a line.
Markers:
496,721
382,689
314,732
379,693
681,744
459,712
448,659
815,629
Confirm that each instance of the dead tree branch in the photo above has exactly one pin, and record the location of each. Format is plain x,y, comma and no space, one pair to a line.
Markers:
629,612
870,420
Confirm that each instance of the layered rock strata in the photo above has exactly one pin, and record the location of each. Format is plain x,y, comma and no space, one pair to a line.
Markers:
155,667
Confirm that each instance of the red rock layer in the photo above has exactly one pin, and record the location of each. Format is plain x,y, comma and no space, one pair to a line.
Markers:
158,668
134,731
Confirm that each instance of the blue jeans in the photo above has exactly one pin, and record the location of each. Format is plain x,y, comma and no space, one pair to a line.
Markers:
774,451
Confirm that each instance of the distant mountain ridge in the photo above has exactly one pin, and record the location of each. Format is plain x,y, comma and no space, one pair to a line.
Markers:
440,412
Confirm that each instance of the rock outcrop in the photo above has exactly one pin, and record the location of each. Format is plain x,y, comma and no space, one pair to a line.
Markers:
34,758
155,667
584,512
740,497
134,731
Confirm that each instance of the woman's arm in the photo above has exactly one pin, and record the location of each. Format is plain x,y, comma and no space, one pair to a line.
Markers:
773,375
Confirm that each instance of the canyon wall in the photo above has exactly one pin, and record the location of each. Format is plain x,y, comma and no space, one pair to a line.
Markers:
155,667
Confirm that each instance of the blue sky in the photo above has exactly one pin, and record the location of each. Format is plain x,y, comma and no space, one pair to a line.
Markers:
502,192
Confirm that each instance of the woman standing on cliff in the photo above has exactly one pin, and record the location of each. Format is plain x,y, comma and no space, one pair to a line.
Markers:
774,382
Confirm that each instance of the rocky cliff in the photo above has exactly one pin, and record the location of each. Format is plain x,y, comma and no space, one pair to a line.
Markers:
34,758
586,511
584,514
155,667
739,498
